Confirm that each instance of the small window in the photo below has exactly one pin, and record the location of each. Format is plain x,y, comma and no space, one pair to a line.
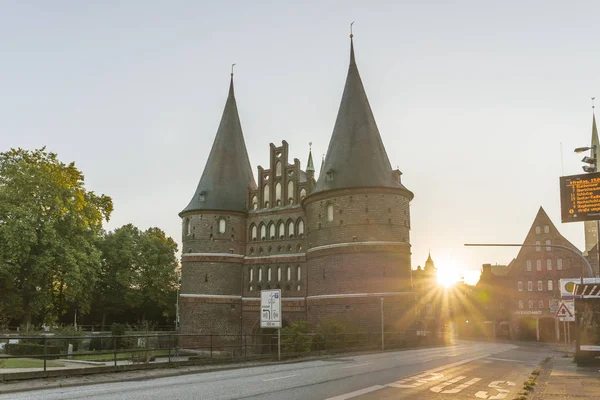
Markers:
549,264
530,304
278,168
279,273
548,243
538,230
272,231
281,230
521,304
253,232
250,288
520,286
278,193
298,288
263,232
291,229
329,175
222,225
299,273
546,229
260,274
254,203
266,196
528,265
302,193
300,228
202,196
550,286
251,274
538,265
530,286
537,246
540,304
187,226
330,212
289,273
540,286
269,274
559,264
290,192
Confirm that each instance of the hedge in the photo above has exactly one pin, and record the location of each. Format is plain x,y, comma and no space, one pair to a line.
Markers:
30,349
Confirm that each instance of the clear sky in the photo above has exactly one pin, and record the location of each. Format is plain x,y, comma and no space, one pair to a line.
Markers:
472,98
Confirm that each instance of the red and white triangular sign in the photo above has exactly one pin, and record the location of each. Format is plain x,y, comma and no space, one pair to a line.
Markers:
563,311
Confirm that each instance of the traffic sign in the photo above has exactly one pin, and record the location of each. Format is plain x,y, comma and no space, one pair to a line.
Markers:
566,311
270,308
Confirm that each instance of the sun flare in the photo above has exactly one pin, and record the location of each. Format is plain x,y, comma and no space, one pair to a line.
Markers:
447,275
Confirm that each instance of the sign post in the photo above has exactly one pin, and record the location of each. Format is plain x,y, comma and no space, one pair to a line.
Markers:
270,313
566,313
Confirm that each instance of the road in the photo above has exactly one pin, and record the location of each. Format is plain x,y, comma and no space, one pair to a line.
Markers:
466,370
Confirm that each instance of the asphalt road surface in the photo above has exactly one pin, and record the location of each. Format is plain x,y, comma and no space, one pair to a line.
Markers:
467,370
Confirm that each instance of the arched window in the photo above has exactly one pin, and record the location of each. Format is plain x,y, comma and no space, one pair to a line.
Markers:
559,264
291,229
259,274
290,192
187,226
549,264
538,230
546,229
299,273
301,228
263,232
278,168
520,303
222,225
302,193
254,202
538,265
269,274
266,195
529,265
330,212
251,274
253,232
289,273
548,243
279,273
278,193
272,231
281,230
537,246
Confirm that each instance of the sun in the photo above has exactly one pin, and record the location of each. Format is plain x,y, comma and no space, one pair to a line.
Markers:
447,275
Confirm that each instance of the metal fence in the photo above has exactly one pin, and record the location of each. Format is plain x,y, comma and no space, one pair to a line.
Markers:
87,352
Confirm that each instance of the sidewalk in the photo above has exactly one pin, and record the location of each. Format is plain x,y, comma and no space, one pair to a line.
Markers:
563,379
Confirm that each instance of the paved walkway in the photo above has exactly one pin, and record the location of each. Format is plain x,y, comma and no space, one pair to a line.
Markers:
563,379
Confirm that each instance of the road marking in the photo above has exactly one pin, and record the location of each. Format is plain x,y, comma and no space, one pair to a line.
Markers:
440,387
418,381
357,365
502,393
356,393
462,386
505,359
279,377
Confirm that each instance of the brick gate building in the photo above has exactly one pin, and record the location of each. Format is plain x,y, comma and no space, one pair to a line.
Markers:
337,246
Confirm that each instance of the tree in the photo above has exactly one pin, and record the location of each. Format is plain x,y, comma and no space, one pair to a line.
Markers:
49,228
138,275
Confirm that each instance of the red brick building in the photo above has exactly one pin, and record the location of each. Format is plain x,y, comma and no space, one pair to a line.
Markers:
337,246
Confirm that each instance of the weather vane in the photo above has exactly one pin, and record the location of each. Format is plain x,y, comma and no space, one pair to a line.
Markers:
351,34
232,65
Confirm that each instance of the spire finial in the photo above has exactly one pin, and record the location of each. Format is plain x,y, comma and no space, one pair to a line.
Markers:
309,146
351,34
593,105
232,65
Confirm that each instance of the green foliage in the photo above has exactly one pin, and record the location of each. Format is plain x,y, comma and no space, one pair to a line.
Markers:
31,349
295,338
48,235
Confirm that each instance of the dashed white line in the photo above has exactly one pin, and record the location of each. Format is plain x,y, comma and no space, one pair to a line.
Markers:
357,365
279,377
356,393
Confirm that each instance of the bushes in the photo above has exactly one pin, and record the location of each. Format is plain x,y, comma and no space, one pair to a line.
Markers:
31,349
295,338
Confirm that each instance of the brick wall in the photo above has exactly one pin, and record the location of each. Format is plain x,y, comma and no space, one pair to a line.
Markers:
203,235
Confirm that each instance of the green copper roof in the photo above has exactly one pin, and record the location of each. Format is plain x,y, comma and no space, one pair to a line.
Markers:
227,175
356,156
310,166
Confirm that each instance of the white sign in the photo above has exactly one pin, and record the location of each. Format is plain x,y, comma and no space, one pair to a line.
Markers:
566,310
270,308
536,312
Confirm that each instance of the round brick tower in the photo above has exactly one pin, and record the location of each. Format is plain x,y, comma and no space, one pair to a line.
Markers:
214,234
358,220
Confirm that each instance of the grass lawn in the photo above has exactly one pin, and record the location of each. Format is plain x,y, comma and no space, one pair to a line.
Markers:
26,363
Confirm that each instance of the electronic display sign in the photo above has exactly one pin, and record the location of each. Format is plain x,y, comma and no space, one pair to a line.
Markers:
580,197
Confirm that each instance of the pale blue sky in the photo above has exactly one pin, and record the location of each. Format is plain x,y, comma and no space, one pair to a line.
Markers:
472,99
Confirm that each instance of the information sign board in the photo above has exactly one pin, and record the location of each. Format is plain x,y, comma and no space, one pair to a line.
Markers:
580,197
270,308
566,311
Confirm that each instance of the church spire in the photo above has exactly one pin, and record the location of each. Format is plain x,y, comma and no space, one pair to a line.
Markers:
595,141
227,175
310,166
356,156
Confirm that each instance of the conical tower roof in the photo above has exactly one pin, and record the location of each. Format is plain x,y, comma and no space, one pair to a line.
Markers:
595,141
356,156
310,166
227,175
